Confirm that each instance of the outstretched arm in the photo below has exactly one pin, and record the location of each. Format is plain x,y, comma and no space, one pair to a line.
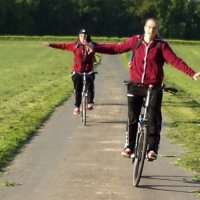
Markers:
116,47
46,44
177,62
70,46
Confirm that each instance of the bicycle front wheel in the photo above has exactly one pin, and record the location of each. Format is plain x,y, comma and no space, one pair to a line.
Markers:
83,110
140,155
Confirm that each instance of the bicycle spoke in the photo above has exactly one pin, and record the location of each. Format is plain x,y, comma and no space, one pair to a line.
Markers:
140,156
83,110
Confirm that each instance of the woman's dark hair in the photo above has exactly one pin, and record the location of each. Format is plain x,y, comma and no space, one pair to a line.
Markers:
153,19
88,39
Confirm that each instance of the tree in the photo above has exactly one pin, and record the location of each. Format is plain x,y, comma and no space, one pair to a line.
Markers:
3,11
178,18
56,16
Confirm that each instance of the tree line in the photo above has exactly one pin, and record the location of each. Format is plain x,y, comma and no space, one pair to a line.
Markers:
122,18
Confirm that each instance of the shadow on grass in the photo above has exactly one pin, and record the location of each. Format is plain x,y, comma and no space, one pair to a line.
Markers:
185,104
113,122
111,104
181,184
177,123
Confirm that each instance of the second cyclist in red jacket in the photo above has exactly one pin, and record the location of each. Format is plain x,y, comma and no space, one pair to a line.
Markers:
83,62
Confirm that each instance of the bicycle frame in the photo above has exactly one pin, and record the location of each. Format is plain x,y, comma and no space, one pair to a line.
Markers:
141,140
84,100
84,97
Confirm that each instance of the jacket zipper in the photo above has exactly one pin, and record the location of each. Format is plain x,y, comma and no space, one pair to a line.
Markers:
145,61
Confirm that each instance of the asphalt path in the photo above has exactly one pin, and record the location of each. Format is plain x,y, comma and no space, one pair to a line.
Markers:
67,161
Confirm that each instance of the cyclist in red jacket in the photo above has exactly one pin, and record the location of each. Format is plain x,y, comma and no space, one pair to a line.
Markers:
146,68
83,62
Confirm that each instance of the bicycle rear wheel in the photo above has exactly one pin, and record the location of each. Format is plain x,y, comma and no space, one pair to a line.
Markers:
83,110
140,155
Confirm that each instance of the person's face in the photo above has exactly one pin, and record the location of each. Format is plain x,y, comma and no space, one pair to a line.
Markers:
150,29
82,38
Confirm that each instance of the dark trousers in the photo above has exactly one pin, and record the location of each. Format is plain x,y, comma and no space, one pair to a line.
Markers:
136,95
78,86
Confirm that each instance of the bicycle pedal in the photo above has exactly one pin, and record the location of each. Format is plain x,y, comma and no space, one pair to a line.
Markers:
150,159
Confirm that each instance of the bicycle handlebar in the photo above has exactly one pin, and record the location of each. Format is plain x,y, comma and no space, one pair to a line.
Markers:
163,86
92,72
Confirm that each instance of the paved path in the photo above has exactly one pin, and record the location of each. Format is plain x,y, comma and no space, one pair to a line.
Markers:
66,161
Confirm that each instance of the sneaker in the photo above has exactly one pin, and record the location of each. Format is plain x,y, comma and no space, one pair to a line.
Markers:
151,156
90,106
76,111
128,153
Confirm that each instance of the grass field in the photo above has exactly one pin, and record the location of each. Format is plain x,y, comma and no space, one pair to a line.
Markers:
184,109
35,79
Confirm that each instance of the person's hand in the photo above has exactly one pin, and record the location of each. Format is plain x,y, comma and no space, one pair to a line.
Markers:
45,44
196,76
129,64
89,49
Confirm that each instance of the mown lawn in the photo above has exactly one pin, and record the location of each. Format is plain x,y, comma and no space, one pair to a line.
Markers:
34,79
183,109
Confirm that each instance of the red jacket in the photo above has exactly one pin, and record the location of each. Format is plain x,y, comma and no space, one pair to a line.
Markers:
148,61
83,62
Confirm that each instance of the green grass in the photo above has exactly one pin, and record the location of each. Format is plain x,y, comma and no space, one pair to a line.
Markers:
190,54
182,114
183,109
34,79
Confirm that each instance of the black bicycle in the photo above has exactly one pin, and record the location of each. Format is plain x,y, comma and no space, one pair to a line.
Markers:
84,97
141,144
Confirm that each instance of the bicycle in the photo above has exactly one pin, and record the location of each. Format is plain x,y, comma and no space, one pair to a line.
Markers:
84,97
141,143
